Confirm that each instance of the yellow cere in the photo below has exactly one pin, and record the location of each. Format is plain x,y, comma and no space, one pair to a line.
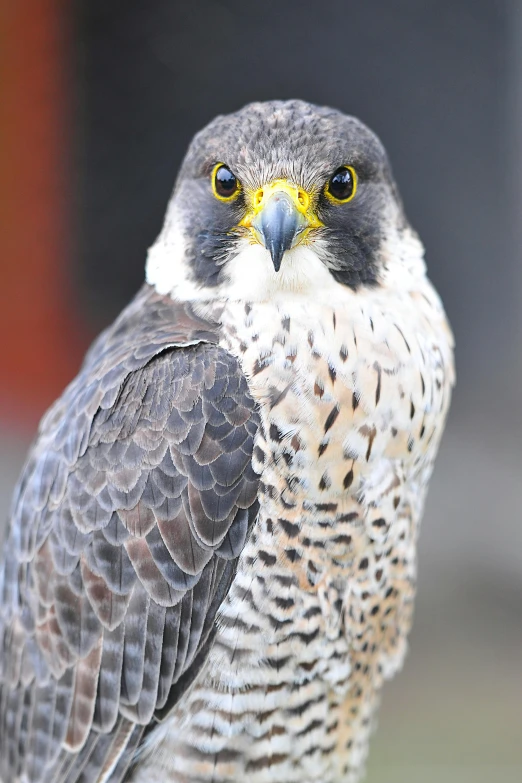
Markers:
301,199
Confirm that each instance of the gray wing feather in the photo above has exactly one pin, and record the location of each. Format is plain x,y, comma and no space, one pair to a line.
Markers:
129,516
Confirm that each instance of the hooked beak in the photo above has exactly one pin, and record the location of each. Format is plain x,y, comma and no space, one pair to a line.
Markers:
278,225
280,218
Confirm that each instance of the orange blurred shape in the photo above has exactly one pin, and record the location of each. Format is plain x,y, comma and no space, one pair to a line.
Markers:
40,346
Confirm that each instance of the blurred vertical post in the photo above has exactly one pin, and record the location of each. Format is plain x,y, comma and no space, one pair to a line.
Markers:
514,150
39,349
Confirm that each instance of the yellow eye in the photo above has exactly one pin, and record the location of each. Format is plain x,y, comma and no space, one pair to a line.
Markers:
342,185
225,185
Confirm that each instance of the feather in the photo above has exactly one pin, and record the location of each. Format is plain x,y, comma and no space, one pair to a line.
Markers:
134,645
109,682
169,647
182,547
109,607
150,576
144,708
83,698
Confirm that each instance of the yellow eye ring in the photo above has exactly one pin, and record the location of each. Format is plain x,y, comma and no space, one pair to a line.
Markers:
342,185
225,184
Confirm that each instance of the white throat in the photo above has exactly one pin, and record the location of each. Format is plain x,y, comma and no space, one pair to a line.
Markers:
250,276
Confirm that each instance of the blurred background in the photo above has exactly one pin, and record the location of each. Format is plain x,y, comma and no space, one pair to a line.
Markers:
98,101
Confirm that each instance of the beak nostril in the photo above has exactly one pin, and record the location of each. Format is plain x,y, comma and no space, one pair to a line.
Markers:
258,198
302,198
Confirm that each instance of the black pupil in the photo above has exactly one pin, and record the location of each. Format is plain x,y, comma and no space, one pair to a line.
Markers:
226,183
341,184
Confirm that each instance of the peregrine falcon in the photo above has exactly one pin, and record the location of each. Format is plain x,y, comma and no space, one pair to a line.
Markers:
211,559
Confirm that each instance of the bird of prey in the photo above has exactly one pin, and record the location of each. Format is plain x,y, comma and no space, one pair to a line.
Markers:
210,565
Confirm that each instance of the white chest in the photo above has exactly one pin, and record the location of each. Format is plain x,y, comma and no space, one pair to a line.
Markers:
340,386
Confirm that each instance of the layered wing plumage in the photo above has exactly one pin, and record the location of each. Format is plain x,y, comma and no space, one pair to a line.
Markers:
130,514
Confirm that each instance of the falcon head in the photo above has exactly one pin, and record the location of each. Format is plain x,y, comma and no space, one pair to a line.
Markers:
283,196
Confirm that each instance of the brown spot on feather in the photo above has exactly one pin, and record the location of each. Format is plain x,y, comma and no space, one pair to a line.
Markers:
296,443
403,337
348,479
378,389
318,389
369,433
332,416
325,482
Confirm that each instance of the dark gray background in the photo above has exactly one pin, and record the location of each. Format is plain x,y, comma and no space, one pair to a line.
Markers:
441,83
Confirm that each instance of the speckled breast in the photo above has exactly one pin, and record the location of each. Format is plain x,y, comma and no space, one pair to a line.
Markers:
340,387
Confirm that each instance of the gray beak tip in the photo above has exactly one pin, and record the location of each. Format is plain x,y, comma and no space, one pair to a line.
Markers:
276,253
278,224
